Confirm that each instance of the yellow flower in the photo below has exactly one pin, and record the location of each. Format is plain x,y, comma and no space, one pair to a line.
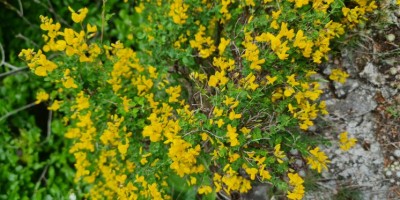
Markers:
222,45
69,83
300,3
123,148
174,93
233,115
143,161
345,142
338,75
218,79
232,135
245,130
82,102
91,29
288,91
298,189
204,189
77,18
140,8
278,153
233,157
217,112
295,179
317,160
55,106
178,12
220,122
291,80
265,175
252,172
41,96
271,80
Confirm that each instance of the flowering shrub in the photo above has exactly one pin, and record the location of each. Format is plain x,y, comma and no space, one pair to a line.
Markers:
214,94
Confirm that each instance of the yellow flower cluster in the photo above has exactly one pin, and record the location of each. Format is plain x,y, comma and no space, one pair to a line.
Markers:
131,126
72,42
355,15
345,142
298,189
306,45
38,62
205,45
80,16
252,53
299,3
317,160
277,45
178,12
224,10
55,105
231,181
278,153
338,75
307,93
41,96
68,81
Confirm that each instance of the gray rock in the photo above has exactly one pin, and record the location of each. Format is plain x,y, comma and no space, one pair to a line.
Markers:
342,90
257,192
372,75
397,153
357,103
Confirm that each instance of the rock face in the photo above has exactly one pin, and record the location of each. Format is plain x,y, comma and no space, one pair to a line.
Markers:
352,107
361,166
358,102
371,74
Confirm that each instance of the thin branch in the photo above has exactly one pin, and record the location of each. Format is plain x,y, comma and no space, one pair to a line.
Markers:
42,176
13,71
103,20
18,11
21,9
3,57
50,8
19,35
212,134
3,62
10,66
16,111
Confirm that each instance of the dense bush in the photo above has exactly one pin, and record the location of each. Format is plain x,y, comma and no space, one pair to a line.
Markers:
197,96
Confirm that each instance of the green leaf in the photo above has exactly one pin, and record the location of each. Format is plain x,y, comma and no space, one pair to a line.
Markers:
109,15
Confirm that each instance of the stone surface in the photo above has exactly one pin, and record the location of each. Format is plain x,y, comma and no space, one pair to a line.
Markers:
372,75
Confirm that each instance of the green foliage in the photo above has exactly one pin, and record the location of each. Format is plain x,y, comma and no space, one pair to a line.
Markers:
348,193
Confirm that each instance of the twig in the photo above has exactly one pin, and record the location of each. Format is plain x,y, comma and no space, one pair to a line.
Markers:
212,134
10,66
103,20
17,110
13,72
3,57
50,8
21,9
40,179
3,62
190,132
19,12
223,196
19,35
